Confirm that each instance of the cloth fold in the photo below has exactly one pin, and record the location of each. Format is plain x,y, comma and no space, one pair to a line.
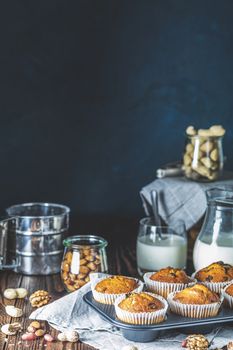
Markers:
71,312
180,198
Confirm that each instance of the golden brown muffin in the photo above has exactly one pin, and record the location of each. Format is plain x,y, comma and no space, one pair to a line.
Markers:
196,295
170,275
116,285
229,290
216,272
141,302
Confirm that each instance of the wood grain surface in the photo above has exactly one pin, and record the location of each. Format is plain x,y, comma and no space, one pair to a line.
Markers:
121,261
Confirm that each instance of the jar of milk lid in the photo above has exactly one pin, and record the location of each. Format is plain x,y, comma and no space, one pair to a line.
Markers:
215,240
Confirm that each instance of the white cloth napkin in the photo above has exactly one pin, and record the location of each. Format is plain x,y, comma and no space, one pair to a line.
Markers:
71,312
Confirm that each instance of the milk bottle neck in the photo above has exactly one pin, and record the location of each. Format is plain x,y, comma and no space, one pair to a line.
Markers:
217,227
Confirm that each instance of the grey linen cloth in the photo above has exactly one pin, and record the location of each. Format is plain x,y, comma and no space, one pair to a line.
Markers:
71,312
180,198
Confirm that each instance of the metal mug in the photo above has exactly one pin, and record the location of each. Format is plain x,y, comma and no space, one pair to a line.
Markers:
31,238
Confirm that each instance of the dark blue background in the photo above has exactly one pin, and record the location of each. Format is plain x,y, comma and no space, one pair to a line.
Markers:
95,95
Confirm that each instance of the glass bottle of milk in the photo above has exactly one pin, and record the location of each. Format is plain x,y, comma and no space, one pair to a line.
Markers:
215,240
159,247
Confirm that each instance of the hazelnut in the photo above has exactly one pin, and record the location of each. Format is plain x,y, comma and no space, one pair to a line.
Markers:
82,262
39,332
35,324
91,266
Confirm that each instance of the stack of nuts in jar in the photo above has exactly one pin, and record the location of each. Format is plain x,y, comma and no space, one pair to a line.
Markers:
203,157
77,265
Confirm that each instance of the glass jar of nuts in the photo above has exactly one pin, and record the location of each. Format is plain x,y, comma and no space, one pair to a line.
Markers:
83,255
203,156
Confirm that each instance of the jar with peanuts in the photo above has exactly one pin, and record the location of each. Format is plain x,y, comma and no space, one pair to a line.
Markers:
83,255
203,158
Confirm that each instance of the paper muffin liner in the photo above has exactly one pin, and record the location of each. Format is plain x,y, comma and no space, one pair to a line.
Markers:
142,318
194,311
227,297
213,286
165,288
105,298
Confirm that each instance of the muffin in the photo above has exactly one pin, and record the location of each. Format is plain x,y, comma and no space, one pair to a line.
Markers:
215,276
141,308
167,280
227,293
197,301
196,295
105,290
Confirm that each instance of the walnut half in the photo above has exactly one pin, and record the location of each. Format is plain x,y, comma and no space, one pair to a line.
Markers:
39,298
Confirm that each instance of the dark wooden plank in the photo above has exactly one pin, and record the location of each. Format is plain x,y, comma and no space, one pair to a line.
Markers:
122,260
31,283
9,280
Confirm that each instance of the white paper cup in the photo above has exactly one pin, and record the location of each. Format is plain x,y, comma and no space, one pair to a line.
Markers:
142,318
213,286
165,288
227,297
106,298
194,311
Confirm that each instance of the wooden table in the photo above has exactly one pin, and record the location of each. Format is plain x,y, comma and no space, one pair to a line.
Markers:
121,261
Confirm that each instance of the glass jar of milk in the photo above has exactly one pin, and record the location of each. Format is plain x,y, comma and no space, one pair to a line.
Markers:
159,247
215,240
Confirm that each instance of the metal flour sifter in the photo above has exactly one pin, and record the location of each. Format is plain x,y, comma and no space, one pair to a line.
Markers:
31,238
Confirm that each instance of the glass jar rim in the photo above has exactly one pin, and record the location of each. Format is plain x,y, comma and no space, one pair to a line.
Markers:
95,241
148,221
221,198
211,137
22,210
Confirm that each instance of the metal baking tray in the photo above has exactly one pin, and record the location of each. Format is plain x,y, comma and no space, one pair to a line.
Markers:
140,333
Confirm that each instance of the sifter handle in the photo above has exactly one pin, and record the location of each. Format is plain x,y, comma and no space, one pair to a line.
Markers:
3,245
